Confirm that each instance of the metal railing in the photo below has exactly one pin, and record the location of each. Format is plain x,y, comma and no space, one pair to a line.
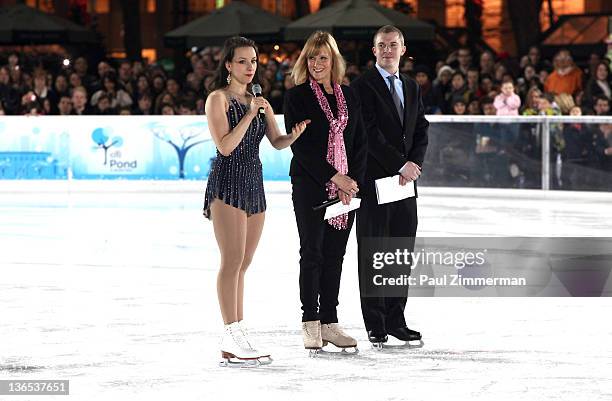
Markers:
543,121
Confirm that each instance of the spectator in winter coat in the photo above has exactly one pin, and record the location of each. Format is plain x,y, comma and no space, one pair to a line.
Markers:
430,102
566,78
598,85
459,91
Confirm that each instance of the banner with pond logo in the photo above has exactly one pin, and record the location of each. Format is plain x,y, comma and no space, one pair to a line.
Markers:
117,147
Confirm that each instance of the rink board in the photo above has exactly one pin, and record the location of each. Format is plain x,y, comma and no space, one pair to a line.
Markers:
117,147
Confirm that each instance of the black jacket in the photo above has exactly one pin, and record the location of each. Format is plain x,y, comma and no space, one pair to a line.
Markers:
310,150
591,91
391,145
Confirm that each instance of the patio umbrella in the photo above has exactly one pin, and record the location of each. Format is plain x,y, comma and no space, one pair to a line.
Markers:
23,25
237,18
357,20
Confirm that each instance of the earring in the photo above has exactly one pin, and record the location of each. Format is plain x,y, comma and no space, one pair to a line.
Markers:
229,78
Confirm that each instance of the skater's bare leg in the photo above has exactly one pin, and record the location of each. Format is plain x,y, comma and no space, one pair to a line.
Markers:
255,225
230,226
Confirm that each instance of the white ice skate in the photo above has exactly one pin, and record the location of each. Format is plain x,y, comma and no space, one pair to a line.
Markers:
235,350
333,333
264,355
311,334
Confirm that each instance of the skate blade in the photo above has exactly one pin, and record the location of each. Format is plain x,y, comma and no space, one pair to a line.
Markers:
336,350
406,345
342,353
240,363
314,352
230,360
265,360
378,346
415,344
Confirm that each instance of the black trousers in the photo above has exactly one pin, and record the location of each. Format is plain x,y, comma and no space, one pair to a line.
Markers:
322,249
397,219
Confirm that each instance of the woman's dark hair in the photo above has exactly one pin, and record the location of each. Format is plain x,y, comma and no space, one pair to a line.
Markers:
594,73
112,77
229,48
145,94
62,74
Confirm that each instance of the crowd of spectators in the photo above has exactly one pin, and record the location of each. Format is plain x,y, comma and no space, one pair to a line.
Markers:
463,84
504,154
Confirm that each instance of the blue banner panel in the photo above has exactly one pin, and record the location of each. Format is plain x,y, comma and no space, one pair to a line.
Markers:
117,147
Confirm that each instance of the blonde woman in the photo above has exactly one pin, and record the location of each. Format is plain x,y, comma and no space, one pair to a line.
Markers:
328,162
532,98
235,199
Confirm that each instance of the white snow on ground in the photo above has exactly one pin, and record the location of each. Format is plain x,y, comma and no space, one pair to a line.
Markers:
112,285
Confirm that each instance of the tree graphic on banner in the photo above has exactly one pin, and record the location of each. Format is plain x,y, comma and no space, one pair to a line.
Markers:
101,137
188,136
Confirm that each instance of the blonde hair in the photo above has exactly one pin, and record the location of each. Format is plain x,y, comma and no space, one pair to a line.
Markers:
565,102
317,41
80,89
529,95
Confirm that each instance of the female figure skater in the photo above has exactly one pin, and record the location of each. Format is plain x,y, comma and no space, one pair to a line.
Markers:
235,199
328,162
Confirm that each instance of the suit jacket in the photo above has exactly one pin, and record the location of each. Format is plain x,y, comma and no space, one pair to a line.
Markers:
310,150
391,144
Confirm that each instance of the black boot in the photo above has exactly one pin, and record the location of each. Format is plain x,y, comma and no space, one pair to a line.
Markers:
405,334
377,336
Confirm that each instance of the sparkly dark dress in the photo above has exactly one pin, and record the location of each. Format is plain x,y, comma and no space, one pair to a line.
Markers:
237,179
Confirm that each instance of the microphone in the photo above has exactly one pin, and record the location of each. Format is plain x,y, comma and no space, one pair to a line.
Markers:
257,92
325,204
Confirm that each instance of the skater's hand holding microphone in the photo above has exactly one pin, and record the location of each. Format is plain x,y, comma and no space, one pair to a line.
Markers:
259,105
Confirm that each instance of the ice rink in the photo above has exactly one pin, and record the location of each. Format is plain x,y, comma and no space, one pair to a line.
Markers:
111,285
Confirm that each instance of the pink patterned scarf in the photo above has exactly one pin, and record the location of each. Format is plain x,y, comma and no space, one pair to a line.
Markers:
336,152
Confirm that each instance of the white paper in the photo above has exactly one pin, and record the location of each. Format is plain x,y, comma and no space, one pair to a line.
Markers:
339,208
389,190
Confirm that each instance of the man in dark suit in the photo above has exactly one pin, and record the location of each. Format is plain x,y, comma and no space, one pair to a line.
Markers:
394,118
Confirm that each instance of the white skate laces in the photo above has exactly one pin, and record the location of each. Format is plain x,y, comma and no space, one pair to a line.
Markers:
263,353
238,336
311,334
245,333
312,329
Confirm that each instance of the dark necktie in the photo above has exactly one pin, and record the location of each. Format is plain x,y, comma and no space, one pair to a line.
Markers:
396,98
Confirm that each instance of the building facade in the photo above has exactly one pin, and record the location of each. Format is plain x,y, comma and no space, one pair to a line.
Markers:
160,16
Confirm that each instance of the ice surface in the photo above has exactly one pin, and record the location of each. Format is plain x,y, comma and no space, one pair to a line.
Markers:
112,286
